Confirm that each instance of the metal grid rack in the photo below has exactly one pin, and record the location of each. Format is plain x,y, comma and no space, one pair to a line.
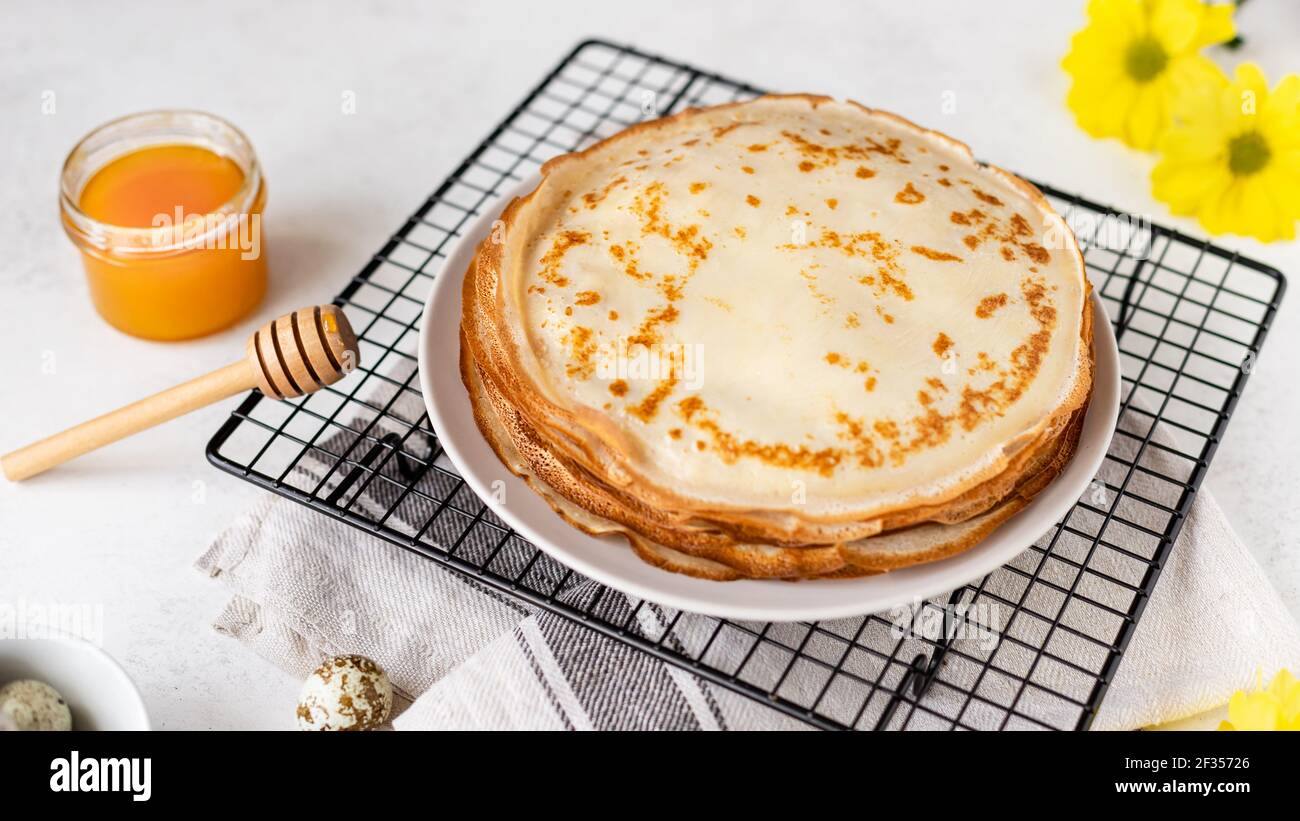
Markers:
1049,628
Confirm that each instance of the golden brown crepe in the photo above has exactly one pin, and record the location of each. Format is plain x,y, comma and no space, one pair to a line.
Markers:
786,338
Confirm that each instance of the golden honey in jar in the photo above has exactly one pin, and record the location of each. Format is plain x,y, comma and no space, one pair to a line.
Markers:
166,208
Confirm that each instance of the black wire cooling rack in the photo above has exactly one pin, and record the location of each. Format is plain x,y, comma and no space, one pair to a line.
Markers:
1033,645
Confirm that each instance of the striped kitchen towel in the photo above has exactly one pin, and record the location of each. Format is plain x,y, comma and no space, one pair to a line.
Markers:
462,655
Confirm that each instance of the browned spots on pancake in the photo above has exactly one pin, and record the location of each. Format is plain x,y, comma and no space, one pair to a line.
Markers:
740,231
697,187
943,168
581,342
864,173
832,203
649,207
841,361
852,321
723,130
1036,252
670,287
560,246
870,384
811,280
809,148
863,447
626,255
929,430
871,245
693,141
646,409
1026,360
909,195
593,198
753,201
791,210
937,384
887,428
757,147
648,333
613,316
568,311
937,256
945,182
748,169
675,433
806,166
923,398
731,448
989,304
618,387
687,241
1014,233
984,196
587,298
942,344
889,148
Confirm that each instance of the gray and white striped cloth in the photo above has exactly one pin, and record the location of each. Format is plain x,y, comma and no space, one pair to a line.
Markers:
464,656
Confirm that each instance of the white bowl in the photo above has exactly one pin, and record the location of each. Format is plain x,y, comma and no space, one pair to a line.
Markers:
611,562
98,691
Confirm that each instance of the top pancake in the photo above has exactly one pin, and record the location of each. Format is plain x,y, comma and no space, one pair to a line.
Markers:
793,305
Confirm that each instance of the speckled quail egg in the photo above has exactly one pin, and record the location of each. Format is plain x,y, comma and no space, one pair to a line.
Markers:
33,705
345,693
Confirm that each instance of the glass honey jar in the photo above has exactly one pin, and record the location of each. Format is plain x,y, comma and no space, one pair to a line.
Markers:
166,209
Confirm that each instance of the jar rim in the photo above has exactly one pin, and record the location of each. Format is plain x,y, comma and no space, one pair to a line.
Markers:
132,132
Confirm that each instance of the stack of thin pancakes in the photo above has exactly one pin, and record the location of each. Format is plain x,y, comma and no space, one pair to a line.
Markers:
786,338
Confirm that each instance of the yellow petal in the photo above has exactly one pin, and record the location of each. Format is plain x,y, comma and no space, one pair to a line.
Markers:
1103,113
1147,117
1186,186
1280,116
1251,712
1194,145
1118,19
1247,96
1216,26
1285,190
1258,216
1175,23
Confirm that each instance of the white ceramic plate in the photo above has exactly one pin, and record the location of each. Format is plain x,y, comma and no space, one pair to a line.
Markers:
610,561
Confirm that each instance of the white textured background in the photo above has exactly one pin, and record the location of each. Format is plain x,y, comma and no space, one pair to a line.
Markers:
120,529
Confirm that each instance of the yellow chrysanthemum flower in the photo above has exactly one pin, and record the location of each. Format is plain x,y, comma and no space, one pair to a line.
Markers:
1135,58
1232,158
1277,708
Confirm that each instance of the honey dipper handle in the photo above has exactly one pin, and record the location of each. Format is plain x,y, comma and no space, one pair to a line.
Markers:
154,410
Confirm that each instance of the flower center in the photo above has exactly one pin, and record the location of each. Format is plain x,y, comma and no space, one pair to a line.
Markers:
1145,59
1248,153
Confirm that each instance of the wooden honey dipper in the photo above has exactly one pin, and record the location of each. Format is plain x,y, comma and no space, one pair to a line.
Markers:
294,355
